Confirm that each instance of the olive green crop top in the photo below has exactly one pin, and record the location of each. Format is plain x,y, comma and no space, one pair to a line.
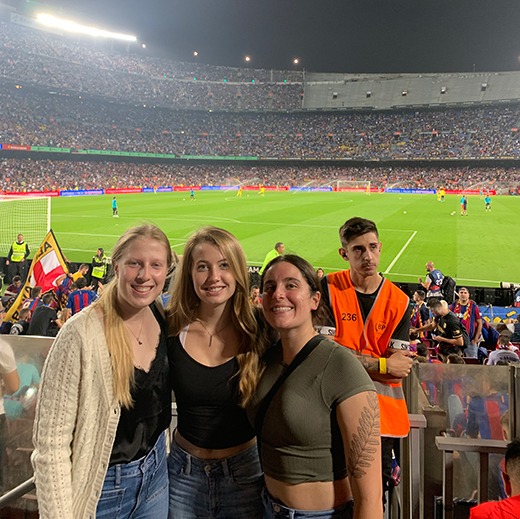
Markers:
300,439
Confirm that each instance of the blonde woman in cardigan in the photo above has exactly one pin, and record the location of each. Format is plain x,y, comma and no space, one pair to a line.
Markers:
104,400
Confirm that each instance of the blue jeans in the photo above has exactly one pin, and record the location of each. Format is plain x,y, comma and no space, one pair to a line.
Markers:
137,490
471,351
276,510
227,488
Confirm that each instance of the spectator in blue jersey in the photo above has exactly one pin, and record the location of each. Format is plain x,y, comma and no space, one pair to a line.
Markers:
33,301
115,211
420,316
469,314
433,281
79,298
65,284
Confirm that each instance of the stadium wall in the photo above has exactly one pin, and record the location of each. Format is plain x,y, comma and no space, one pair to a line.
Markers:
394,91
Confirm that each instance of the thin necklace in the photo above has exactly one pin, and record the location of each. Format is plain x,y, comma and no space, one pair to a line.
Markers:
211,335
138,336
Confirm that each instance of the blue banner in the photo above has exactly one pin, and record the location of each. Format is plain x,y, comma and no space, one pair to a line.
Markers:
161,189
82,192
411,191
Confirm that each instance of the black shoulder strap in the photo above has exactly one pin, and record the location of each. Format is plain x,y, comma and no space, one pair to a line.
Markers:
266,401
158,313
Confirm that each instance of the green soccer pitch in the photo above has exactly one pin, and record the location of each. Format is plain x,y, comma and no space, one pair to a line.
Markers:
480,249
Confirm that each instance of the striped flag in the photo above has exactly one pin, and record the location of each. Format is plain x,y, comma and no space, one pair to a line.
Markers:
47,267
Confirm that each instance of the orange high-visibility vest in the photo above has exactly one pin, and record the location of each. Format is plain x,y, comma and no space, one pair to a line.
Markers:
372,337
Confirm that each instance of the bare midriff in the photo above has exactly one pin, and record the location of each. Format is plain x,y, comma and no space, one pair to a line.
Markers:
316,495
210,454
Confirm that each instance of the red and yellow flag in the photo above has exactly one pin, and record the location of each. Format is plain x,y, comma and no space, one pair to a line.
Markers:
47,267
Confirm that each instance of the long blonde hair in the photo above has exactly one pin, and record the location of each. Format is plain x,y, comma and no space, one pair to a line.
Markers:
119,345
184,303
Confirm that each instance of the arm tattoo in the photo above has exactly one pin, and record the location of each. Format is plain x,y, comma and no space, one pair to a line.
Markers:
364,443
370,364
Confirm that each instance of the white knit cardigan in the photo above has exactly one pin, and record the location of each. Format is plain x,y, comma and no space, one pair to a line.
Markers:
76,420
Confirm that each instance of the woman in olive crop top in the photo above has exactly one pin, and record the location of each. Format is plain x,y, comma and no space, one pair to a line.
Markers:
319,438
214,366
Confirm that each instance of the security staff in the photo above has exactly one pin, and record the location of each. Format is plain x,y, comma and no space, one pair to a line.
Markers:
99,268
16,259
371,316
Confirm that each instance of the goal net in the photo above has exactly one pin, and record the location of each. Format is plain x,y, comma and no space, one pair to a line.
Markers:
353,185
27,215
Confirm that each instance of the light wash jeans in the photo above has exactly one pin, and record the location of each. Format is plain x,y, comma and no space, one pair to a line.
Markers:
471,351
275,510
228,488
137,490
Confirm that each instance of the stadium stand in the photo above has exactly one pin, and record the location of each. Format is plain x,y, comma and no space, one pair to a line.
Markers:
60,92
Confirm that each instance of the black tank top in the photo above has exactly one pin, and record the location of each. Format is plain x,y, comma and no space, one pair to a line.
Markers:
209,414
140,426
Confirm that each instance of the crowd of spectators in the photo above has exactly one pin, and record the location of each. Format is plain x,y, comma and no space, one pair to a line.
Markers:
70,49
43,175
62,63
87,97
36,118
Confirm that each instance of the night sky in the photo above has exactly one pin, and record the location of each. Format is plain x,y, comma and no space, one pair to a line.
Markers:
352,36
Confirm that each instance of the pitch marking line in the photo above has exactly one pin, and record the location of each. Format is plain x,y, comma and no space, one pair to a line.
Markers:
184,218
387,271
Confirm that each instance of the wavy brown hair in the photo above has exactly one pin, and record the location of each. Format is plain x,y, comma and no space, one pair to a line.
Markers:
184,303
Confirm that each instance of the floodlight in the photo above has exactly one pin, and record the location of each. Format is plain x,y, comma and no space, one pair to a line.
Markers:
70,26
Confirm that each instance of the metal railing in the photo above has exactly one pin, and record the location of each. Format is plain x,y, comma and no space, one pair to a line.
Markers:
17,493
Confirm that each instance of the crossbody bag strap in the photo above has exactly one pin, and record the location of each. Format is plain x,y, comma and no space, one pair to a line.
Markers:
266,401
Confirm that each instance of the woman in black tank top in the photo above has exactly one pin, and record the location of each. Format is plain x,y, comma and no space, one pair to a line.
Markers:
214,366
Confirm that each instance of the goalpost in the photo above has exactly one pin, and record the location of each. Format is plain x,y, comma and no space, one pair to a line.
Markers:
27,215
353,185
